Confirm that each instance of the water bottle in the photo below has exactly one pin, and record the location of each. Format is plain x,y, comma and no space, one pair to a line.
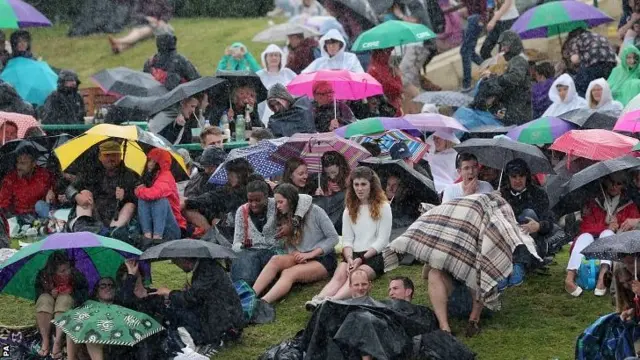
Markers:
240,128
224,125
207,123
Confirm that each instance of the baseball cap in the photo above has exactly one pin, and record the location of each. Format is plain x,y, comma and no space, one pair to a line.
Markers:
399,150
110,147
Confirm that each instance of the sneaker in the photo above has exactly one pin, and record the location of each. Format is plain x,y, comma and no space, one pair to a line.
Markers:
517,275
503,284
312,304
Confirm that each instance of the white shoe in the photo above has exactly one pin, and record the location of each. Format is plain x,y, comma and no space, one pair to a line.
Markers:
599,292
316,301
577,292
186,338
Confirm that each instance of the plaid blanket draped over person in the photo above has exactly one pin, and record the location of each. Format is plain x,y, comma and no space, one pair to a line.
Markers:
471,238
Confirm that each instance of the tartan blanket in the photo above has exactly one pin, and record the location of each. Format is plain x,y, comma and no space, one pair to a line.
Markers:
471,238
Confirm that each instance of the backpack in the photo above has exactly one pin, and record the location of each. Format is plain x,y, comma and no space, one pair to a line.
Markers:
588,274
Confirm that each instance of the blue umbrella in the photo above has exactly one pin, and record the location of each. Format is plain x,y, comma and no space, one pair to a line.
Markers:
259,156
33,80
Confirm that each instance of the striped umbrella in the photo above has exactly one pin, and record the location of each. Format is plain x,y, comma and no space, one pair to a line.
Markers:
17,14
310,147
386,140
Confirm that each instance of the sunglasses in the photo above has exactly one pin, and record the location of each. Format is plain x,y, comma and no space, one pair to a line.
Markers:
107,286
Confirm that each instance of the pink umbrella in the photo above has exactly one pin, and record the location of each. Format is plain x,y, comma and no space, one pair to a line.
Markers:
434,122
22,122
346,85
629,122
594,144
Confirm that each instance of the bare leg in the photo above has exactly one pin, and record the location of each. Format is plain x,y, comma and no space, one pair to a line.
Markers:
570,281
95,351
301,273
125,215
134,36
476,310
440,287
72,349
340,277
43,320
275,265
57,341
604,269
197,219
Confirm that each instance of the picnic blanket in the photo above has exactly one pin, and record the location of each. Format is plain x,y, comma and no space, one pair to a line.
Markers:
471,238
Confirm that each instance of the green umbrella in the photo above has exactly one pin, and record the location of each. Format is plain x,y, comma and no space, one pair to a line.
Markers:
376,125
106,324
390,34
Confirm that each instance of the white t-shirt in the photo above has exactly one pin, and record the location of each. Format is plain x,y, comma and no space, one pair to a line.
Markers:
455,191
512,13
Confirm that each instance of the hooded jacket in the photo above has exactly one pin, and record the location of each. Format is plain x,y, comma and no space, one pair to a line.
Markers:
624,80
341,61
571,102
164,185
15,38
606,100
391,83
247,63
300,57
282,76
65,105
167,66
298,118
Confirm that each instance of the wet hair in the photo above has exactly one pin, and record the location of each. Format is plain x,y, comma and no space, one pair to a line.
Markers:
262,134
241,167
372,148
464,157
330,158
290,167
56,259
96,288
210,130
258,185
546,69
291,194
377,196
406,283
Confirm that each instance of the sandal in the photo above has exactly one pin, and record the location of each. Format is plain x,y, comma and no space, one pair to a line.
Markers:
473,329
44,353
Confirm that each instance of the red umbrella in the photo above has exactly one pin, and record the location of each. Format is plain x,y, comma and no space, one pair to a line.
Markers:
594,144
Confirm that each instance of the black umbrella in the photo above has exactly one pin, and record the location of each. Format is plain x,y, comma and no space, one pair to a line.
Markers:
42,145
362,8
187,248
590,119
614,247
486,132
124,81
419,185
380,6
497,152
238,79
155,104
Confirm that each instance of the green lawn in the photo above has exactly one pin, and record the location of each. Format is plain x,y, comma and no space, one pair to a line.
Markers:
538,321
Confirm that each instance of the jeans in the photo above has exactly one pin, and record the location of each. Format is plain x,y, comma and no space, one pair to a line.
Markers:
527,213
249,264
42,209
492,37
156,217
468,48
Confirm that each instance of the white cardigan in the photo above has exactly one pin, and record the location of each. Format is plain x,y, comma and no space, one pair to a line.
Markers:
367,233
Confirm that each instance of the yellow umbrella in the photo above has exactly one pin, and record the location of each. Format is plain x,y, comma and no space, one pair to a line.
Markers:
135,144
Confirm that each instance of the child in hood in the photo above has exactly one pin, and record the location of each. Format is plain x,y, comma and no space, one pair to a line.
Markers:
238,58
564,97
599,98
334,57
158,200
274,70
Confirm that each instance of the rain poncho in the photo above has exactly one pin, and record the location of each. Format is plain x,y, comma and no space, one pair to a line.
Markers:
15,38
167,66
341,61
571,102
606,101
246,63
624,81
282,76
65,105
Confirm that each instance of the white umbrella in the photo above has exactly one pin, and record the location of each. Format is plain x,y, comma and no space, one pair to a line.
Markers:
279,33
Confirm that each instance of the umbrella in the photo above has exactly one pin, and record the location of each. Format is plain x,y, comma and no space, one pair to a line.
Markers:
594,144
614,247
122,81
497,152
420,185
93,255
390,34
544,130
135,141
17,14
632,105
187,248
244,78
43,145
155,104
279,33
23,122
434,122
346,85
386,140
446,98
362,8
310,147
106,324
258,155
590,119
33,80
628,122
558,17
321,24
375,125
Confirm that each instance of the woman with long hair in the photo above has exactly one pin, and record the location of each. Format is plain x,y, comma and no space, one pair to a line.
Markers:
309,244
296,173
335,173
366,228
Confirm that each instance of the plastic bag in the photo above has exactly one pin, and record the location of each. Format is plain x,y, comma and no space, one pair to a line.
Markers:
440,345
287,350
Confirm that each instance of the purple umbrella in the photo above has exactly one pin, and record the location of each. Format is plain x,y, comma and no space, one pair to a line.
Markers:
376,125
544,130
16,14
558,17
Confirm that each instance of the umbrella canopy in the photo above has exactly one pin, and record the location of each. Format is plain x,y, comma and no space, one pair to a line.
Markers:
238,79
390,34
93,255
628,122
43,145
33,80
23,122
497,152
386,140
279,33
590,119
310,147
136,144
17,14
258,155
419,185
632,105
346,85
446,98
594,144
122,81
375,125
106,324
434,122
362,8
155,104
614,247
187,248
558,17
544,130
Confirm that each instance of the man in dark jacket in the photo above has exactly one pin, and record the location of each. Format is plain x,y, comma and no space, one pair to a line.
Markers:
169,67
65,105
209,161
515,82
21,44
291,115
10,101
209,309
